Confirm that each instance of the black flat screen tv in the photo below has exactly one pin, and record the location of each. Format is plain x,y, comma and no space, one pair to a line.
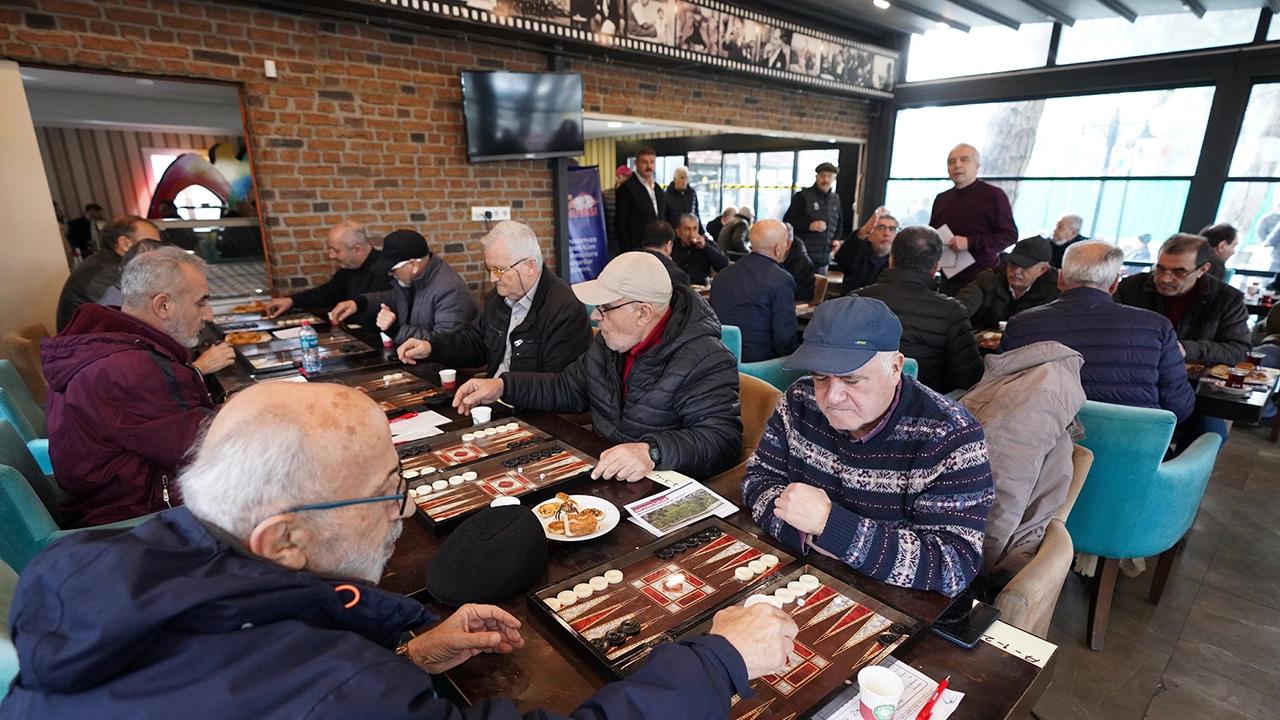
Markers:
522,116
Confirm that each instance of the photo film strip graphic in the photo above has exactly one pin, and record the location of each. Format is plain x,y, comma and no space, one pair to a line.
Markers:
694,31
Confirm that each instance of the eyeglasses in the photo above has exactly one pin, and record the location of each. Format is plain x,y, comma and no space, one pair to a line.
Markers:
887,228
402,494
1177,273
498,272
602,309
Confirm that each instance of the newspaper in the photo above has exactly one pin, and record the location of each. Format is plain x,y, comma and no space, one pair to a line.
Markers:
952,262
677,507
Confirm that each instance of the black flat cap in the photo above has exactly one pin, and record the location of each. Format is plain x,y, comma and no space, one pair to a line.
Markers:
494,555
401,245
1030,251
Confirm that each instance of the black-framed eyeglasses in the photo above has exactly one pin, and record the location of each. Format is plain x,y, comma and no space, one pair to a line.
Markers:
402,494
499,272
602,309
1178,273
887,228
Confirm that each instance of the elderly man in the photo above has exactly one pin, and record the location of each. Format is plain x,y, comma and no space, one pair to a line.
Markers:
797,263
1065,234
717,224
264,583
361,270
682,199
758,295
429,298
1131,355
1223,239
936,330
640,202
658,241
815,215
91,278
847,468
694,253
657,379
865,255
1024,280
531,321
1208,315
125,404
977,214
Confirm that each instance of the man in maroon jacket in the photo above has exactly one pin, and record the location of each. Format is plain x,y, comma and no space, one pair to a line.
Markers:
125,404
978,215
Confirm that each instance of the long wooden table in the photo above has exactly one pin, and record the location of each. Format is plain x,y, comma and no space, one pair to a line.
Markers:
547,672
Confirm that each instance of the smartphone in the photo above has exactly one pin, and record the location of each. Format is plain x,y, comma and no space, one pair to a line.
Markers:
965,620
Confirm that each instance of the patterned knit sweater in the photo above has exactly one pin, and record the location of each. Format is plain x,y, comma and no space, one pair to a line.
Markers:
908,503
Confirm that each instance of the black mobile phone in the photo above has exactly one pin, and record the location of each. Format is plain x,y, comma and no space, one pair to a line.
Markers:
965,620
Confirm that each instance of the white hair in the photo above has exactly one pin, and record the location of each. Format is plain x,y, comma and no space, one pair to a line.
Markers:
159,271
887,358
1085,263
680,170
352,233
1073,221
520,240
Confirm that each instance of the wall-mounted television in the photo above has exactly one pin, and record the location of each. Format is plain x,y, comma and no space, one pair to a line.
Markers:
522,116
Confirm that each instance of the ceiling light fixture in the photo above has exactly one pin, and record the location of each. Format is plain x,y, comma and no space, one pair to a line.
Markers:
145,81
614,124
882,4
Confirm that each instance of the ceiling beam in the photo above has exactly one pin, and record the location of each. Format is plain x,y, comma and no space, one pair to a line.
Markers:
1050,12
1125,11
935,17
1194,6
987,13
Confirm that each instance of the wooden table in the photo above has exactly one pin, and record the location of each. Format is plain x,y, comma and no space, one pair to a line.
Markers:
1247,409
547,672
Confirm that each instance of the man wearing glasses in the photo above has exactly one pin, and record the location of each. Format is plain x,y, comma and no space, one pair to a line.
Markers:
531,321
428,297
257,599
657,379
865,255
1023,280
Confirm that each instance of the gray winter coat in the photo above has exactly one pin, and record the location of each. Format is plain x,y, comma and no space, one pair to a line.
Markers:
441,302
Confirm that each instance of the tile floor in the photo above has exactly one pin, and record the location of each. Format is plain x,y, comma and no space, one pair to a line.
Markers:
1211,648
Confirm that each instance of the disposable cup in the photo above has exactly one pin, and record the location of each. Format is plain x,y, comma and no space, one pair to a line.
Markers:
879,691
448,379
481,414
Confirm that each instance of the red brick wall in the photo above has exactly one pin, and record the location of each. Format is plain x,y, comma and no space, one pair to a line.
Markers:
365,122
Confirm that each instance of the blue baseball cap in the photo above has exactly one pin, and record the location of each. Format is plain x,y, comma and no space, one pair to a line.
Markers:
844,335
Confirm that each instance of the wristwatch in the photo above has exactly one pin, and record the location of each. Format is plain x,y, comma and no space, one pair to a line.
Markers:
655,454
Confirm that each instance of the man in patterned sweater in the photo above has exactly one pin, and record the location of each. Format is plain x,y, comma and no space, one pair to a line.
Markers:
867,465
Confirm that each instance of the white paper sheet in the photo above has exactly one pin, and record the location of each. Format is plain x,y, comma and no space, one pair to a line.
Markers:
919,688
1019,644
643,511
415,426
952,262
288,333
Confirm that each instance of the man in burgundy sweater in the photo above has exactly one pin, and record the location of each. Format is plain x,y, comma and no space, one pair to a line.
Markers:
977,213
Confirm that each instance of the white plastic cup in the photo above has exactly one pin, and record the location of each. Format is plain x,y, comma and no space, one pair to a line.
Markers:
481,414
448,379
1003,325
879,692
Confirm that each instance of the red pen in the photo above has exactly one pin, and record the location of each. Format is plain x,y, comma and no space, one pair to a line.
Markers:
926,712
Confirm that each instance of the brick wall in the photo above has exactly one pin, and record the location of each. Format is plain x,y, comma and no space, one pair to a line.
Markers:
365,122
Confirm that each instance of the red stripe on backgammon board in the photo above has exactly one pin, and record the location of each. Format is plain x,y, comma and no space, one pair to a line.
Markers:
444,456
461,499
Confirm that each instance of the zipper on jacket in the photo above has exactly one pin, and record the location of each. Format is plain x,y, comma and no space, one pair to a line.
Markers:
164,489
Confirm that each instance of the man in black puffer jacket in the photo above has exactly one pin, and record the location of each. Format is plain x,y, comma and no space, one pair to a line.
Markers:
657,379
935,328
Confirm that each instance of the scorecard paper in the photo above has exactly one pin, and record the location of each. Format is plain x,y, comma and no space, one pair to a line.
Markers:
416,425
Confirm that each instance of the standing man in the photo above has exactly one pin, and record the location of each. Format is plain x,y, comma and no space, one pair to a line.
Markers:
815,215
640,202
1223,240
82,233
361,269
610,197
758,296
682,199
694,253
865,255
978,215
531,322
1065,234
91,278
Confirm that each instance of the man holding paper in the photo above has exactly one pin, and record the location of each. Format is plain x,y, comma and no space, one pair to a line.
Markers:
974,220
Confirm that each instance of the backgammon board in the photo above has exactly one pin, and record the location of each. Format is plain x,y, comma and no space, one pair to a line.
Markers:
617,612
841,631
446,493
258,321
462,447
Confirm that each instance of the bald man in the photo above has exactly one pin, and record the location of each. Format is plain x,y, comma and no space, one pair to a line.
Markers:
264,583
978,215
758,295
361,270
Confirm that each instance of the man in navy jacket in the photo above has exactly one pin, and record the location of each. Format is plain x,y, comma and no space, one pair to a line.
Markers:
256,599
758,295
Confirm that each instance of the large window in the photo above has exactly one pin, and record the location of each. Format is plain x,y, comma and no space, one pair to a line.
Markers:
1109,38
1122,161
1251,196
946,53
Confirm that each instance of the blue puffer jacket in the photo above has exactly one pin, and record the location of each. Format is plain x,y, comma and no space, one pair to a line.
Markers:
167,620
1130,355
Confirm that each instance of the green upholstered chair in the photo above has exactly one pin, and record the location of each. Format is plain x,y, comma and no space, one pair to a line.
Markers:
8,654
21,410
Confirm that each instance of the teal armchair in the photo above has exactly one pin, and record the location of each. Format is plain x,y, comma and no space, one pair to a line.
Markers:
8,654
21,410
1134,504
731,336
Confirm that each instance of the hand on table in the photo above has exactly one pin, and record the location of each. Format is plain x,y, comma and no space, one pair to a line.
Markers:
472,630
386,318
628,462
413,350
959,243
762,634
817,226
477,391
215,358
278,305
803,507
342,311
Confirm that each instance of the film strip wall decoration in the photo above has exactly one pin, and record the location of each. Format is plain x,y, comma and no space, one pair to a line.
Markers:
710,32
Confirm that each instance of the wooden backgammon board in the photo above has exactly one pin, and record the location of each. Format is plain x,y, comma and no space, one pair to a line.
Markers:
448,493
258,321
372,381
463,447
617,612
841,631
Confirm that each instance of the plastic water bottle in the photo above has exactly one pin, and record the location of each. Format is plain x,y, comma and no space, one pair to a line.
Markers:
310,344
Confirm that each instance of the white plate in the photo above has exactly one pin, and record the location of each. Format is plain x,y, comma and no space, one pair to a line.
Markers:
1219,386
607,523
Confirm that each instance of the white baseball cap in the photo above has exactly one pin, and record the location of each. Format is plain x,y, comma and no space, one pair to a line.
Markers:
631,276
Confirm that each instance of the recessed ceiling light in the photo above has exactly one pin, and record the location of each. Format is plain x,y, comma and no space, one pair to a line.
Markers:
831,140
614,124
941,25
882,4
145,81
